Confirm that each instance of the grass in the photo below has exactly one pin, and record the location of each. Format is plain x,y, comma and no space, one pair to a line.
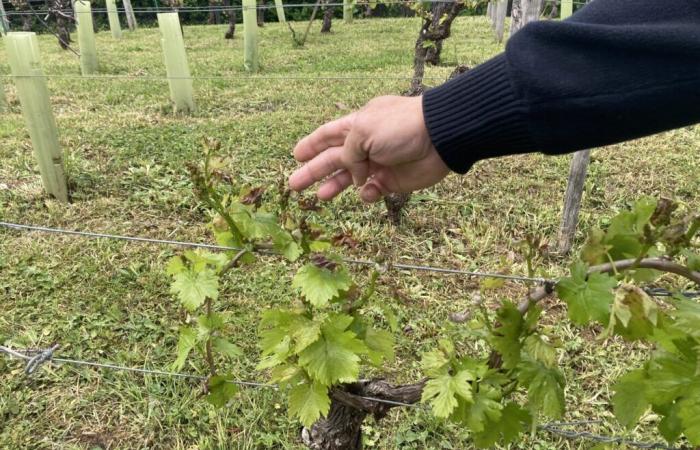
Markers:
125,154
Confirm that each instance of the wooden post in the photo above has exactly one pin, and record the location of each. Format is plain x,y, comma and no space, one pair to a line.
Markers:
250,36
176,62
348,6
567,8
572,199
86,38
501,8
113,17
130,16
4,21
279,6
25,62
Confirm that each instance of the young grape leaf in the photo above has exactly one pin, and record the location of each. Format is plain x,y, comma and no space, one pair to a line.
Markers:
220,390
334,357
506,337
595,250
545,388
192,288
670,426
689,413
587,299
319,285
185,344
513,422
687,315
226,348
441,392
486,407
175,265
308,402
305,333
540,350
670,377
434,363
693,260
380,344
629,401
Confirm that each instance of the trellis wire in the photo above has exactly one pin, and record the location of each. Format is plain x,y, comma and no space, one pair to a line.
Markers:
399,266
223,77
40,357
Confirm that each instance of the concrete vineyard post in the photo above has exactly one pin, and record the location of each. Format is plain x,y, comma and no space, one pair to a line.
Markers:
176,62
250,36
572,199
567,8
279,6
23,54
501,8
86,38
130,16
348,7
3,99
113,17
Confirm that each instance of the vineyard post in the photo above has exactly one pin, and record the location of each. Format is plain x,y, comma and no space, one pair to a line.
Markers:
250,36
3,99
4,22
86,38
501,8
113,17
176,65
279,6
25,62
347,10
572,199
567,8
130,16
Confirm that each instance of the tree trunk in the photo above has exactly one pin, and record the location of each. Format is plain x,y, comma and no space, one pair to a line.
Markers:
231,13
327,18
437,10
261,13
341,429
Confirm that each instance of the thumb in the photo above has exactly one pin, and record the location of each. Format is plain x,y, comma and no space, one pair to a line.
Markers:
354,158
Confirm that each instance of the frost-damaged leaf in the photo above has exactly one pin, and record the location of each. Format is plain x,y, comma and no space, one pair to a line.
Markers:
221,390
540,350
308,402
192,288
634,314
629,401
320,285
587,299
441,392
185,344
513,421
334,357
545,388
226,348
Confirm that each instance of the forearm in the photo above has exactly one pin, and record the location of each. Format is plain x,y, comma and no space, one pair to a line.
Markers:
617,70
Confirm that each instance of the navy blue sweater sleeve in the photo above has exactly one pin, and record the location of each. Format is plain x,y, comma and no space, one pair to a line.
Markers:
615,70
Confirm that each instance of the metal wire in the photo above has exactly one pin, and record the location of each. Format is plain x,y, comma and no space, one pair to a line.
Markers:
87,234
223,77
571,434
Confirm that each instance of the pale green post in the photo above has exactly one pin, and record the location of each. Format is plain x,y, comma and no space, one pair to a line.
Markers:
113,17
86,38
176,62
25,62
348,6
250,36
4,22
3,99
279,6
567,8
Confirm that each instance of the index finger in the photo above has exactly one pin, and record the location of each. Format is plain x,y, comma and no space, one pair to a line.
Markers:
331,134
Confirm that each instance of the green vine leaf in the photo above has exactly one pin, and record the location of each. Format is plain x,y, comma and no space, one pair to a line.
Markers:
319,285
629,401
185,344
220,390
226,348
512,422
192,288
538,349
442,392
335,356
588,298
634,315
689,413
308,402
380,344
545,388
486,407
505,339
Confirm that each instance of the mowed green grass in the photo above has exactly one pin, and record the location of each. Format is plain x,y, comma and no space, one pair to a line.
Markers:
125,154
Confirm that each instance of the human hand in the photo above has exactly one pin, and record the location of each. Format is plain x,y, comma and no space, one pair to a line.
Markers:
382,148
